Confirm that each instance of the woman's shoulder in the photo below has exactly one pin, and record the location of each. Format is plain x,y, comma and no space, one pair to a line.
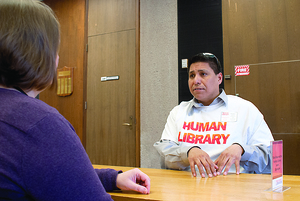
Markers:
23,112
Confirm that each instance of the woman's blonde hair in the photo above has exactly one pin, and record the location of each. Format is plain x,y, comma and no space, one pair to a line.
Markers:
29,43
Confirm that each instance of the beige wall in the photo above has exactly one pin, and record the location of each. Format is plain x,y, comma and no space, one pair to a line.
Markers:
159,72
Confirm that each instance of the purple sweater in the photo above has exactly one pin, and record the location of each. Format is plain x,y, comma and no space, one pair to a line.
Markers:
42,158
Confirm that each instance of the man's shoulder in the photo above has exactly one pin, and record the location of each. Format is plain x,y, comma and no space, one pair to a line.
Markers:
238,100
185,103
183,106
235,101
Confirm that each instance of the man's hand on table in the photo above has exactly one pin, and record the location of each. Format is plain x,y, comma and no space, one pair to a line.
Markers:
231,155
200,158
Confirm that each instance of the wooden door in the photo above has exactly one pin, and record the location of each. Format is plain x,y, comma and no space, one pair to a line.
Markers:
111,83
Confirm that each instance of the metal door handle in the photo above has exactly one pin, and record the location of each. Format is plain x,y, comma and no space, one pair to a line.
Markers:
129,124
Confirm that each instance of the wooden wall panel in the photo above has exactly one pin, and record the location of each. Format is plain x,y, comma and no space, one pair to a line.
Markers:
71,15
259,31
264,35
274,90
291,144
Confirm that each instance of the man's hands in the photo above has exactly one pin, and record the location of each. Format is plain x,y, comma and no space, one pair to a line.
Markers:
134,180
202,160
231,155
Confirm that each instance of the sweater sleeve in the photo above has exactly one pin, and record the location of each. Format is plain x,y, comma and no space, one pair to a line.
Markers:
108,178
55,165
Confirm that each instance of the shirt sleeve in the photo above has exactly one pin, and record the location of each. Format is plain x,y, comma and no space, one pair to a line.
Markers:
257,156
55,165
256,159
173,153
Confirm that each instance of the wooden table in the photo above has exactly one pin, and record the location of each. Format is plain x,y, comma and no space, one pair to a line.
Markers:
180,185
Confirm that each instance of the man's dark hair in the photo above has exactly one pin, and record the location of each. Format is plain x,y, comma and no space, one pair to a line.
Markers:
209,58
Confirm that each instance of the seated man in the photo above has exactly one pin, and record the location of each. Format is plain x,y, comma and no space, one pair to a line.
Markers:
213,131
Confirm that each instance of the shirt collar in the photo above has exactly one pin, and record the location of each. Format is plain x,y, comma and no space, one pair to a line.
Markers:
221,98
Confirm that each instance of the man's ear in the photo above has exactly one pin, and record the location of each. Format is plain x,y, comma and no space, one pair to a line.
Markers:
220,76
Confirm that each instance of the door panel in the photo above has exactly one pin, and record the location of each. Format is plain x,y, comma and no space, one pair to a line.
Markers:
111,105
107,16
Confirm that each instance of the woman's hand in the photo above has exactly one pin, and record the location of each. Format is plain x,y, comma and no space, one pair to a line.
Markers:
134,180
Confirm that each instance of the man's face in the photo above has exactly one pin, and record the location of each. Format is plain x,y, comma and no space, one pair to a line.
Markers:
204,83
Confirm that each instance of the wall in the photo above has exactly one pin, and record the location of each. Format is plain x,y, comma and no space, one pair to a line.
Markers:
158,72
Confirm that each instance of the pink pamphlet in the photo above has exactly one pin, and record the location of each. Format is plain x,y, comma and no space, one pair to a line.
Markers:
277,166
